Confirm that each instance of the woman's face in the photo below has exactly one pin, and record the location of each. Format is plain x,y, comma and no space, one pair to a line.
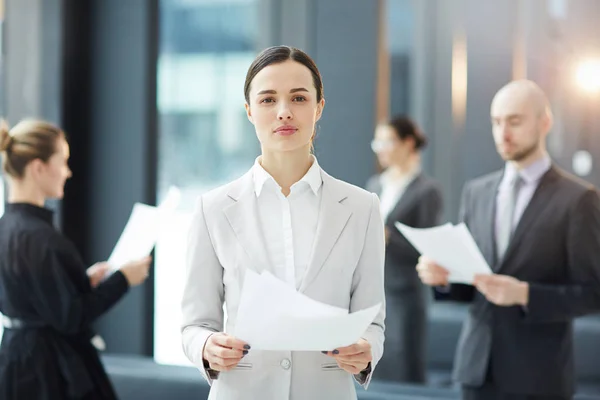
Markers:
388,146
52,175
283,107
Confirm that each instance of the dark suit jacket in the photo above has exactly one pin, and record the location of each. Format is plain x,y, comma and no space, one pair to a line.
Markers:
419,207
556,248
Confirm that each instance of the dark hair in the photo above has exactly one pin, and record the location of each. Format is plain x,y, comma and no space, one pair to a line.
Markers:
279,54
25,142
405,128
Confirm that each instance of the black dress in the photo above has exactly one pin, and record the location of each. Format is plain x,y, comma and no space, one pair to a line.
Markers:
45,288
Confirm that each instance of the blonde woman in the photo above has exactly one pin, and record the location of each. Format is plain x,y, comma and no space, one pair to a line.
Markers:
48,296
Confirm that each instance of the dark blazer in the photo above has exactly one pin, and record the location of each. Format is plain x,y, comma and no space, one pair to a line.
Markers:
404,359
556,249
419,207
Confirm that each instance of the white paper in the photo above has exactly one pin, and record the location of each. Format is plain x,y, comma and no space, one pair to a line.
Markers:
300,304
274,316
450,246
143,229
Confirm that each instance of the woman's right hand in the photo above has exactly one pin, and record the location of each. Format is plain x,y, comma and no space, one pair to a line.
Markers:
431,273
223,352
136,271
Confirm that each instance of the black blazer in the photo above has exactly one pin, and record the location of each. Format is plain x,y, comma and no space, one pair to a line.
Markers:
556,248
419,207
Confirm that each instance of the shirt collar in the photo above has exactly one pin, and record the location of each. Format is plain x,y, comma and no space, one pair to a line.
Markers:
532,173
312,177
387,179
260,176
42,213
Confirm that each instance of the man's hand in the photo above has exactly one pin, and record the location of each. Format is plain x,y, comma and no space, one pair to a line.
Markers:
431,273
355,358
503,290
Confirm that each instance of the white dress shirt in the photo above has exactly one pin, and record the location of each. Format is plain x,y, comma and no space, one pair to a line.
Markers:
530,179
289,224
392,189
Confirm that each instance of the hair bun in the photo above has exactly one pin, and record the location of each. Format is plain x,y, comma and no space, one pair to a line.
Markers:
420,140
6,139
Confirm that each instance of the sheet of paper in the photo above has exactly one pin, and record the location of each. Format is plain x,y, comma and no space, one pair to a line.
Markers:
291,333
465,237
450,246
274,316
298,303
142,230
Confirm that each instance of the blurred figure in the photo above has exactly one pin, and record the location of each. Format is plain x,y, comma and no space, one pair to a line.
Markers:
410,197
47,295
539,230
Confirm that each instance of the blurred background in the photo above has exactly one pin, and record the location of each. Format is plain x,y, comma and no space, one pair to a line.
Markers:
150,93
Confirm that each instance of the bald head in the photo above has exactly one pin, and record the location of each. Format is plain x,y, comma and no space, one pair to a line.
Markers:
521,120
522,96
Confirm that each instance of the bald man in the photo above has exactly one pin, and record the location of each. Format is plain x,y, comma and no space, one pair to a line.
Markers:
539,229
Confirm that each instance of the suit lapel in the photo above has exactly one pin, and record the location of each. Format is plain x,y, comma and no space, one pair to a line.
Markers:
408,197
243,218
333,217
536,206
488,248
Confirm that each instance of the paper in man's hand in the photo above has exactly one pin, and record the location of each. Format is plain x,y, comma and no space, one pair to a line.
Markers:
452,247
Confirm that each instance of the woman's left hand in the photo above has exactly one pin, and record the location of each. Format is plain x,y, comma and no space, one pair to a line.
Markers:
355,358
97,272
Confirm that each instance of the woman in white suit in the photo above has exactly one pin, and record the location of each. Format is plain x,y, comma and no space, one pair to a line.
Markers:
320,235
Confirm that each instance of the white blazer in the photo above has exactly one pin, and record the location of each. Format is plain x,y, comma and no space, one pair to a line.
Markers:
345,270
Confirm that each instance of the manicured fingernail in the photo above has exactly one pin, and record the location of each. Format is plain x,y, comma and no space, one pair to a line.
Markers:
336,351
324,352
245,352
247,346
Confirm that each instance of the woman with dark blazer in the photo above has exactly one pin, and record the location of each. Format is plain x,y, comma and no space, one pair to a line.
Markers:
410,197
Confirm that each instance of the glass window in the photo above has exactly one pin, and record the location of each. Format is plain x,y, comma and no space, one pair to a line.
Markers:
205,139
400,33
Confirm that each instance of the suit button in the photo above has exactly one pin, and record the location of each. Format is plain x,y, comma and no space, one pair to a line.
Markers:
285,363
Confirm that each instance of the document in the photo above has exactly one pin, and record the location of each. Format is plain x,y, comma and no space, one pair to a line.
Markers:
300,304
274,316
142,230
450,246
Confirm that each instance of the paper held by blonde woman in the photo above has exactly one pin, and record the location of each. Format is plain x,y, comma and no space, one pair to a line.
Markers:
143,229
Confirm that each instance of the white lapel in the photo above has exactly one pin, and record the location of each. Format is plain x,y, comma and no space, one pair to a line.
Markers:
243,218
333,217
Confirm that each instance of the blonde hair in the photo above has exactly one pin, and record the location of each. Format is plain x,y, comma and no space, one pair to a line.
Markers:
28,140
